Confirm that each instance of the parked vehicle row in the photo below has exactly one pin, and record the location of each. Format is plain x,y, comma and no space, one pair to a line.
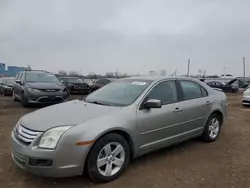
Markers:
225,87
121,121
41,87
6,85
38,87
75,85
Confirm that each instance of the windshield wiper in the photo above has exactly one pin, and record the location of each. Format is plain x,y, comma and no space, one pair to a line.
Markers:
96,102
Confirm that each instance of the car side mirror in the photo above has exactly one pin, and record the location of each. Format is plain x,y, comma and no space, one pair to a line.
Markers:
18,82
152,103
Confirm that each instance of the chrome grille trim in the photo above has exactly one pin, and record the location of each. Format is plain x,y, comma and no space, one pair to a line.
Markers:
25,135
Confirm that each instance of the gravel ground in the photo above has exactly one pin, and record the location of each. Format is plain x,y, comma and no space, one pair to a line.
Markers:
193,164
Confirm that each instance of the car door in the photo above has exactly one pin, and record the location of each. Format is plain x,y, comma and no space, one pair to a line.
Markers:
157,126
18,86
195,106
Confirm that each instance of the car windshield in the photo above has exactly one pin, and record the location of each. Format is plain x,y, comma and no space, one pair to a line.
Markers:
119,93
73,80
41,77
9,81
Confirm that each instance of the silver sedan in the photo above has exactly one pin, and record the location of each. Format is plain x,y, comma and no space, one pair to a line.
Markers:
246,97
121,121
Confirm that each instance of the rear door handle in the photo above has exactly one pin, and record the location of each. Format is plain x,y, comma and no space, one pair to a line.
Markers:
208,103
177,109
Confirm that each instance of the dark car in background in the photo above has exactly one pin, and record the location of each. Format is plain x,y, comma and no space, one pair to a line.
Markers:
38,87
75,85
6,85
101,82
229,87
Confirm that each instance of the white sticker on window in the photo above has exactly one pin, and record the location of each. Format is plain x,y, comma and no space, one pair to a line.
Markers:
139,83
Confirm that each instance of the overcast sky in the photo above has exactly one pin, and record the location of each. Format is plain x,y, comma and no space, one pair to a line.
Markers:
133,36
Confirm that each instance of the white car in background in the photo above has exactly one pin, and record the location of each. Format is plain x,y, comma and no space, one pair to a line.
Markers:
246,97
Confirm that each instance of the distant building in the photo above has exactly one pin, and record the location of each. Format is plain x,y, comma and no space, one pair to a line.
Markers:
10,70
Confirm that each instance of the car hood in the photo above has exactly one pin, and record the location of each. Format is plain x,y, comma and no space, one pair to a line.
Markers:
44,85
247,91
68,113
231,82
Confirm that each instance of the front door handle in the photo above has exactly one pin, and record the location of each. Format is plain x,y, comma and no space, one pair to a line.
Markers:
208,103
177,109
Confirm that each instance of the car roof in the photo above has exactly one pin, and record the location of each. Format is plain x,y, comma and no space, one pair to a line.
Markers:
158,78
38,71
69,77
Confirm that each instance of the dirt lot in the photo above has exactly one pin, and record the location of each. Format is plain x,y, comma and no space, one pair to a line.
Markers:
225,163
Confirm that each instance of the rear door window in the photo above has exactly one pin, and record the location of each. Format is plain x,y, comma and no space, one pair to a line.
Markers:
204,92
191,90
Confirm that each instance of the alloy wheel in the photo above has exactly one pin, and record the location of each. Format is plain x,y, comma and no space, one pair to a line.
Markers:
111,159
214,127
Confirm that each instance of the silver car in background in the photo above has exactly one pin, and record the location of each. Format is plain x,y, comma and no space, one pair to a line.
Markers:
246,97
121,121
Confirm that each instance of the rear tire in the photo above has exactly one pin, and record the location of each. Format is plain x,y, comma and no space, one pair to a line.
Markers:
108,158
212,129
3,93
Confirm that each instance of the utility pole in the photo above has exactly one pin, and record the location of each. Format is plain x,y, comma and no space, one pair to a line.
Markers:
244,67
188,67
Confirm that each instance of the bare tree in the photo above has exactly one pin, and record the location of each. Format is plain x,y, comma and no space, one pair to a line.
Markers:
200,72
74,73
62,73
110,75
92,76
174,73
152,73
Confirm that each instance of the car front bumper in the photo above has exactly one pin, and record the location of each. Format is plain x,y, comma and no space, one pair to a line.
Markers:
246,100
61,162
47,98
80,90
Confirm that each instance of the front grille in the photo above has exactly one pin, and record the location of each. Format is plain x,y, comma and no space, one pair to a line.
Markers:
245,101
53,99
81,86
26,136
50,90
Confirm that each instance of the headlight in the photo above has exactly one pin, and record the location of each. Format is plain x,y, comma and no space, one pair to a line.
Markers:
51,137
32,90
7,87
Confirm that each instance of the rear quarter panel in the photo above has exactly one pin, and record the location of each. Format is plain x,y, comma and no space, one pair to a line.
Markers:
219,102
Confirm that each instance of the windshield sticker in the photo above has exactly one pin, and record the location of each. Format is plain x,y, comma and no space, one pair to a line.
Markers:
139,83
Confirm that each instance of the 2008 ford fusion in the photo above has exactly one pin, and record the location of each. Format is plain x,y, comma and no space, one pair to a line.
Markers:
121,121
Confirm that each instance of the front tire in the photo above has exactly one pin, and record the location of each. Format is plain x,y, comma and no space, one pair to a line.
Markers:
212,129
24,100
14,96
108,158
